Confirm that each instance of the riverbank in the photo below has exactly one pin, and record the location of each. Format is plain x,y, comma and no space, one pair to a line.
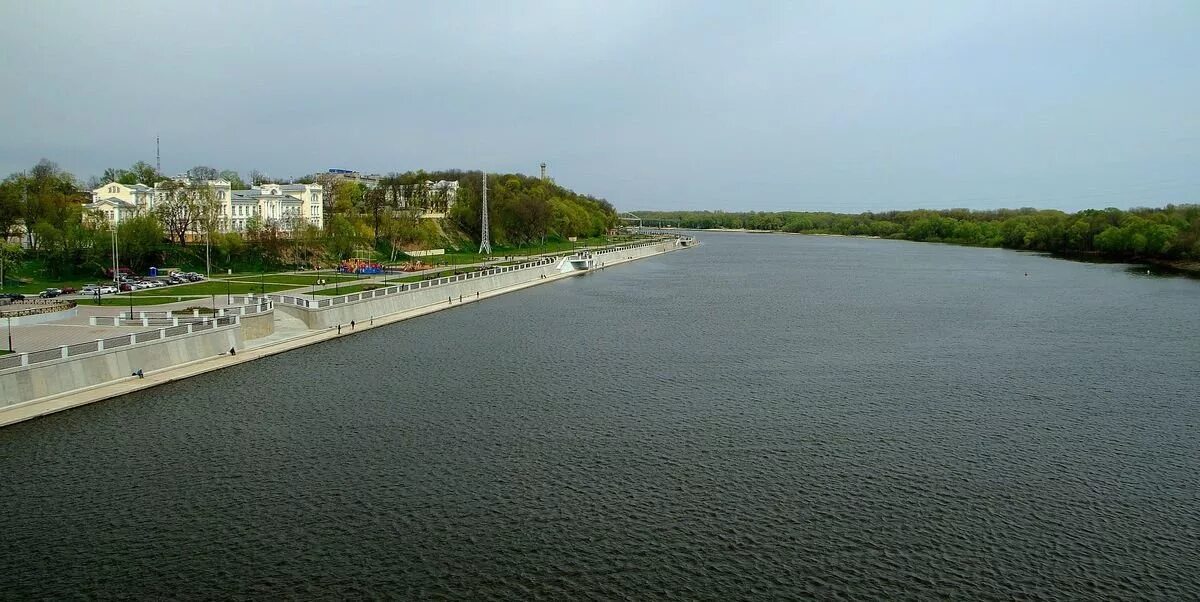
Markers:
288,339
1182,267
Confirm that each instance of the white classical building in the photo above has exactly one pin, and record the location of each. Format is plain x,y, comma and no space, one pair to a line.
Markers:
434,199
116,202
275,205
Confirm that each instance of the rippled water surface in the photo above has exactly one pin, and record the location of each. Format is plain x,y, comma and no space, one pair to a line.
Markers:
761,417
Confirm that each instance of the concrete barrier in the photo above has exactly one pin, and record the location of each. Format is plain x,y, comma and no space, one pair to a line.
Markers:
148,351
258,325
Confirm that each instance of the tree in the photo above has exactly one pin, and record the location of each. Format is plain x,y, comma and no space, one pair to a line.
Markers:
235,180
140,238
258,178
187,207
201,173
46,193
9,254
11,205
146,173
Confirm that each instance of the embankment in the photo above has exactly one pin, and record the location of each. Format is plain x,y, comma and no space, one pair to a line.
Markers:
86,375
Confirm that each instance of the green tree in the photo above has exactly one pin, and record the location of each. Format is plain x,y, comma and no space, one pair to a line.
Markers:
140,238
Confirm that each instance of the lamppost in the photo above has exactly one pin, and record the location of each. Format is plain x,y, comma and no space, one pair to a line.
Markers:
228,294
10,334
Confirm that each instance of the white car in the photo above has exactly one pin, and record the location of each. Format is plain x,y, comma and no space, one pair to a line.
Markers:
105,290
89,289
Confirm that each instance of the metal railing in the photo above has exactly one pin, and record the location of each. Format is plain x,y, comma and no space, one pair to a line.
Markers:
31,358
175,318
396,289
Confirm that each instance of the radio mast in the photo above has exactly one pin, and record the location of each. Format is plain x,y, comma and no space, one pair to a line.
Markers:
485,240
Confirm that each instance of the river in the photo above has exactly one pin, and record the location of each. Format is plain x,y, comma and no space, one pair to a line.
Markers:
763,417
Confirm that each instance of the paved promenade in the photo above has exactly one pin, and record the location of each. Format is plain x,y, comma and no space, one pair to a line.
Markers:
289,333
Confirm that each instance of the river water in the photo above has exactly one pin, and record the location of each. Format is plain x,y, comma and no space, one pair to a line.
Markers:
763,417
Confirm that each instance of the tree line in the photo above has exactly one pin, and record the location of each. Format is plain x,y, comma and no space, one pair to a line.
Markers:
1165,233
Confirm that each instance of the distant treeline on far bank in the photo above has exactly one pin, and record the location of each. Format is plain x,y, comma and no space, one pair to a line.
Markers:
1171,233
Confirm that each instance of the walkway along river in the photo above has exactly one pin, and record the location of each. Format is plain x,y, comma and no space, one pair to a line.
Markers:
34,384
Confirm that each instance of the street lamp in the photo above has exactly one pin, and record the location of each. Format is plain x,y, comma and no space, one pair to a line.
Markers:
10,349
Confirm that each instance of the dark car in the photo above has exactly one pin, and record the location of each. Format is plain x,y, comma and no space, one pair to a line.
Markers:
50,293
125,286
68,290
12,296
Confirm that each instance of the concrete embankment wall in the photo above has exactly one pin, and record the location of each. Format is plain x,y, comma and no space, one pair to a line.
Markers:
258,326
64,313
23,384
450,293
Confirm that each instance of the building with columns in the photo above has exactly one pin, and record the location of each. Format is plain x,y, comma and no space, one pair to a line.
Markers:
115,202
275,205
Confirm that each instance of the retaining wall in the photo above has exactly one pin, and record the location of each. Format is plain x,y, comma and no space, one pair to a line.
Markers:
26,383
258,326
65,313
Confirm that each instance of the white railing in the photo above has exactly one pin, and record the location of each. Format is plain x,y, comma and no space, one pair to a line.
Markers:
396,289
175,318
31,358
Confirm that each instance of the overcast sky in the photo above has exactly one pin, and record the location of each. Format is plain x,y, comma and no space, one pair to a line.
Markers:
654,105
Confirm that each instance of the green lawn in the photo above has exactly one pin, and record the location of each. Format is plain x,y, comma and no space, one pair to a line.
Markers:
296,279
138,299
214,287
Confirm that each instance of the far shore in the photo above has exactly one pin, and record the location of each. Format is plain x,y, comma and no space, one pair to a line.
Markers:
1184,267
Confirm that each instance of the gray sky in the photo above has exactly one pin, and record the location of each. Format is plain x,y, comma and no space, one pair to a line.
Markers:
732,105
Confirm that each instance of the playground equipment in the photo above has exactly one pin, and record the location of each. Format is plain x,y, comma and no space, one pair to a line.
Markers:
360,266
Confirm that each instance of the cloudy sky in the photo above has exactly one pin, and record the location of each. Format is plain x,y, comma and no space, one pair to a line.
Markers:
843,106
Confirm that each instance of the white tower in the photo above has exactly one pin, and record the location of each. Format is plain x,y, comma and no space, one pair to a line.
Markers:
485,239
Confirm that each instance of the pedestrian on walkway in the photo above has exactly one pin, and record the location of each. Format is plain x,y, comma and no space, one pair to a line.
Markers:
351,324
339,329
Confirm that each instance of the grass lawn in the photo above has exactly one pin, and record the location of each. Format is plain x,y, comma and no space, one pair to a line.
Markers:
295,279
123,300
214,287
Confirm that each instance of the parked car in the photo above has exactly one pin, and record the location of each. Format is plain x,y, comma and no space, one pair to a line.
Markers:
68,290
157,283
12,296
125,286
50,293
90,289
105,290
